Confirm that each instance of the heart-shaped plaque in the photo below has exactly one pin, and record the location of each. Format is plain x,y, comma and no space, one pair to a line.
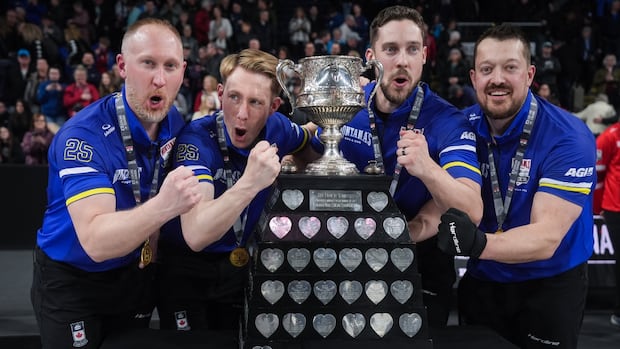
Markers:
272,291
292,198
350,258
410,324
298,258
353,324
272,258
267,324
401,290
394,226
337,226
377,200
376,290
325,290
294,323
280,226
324,324
401,258
299,290
309,226
324,258
376,258
381,323
350,290
365,227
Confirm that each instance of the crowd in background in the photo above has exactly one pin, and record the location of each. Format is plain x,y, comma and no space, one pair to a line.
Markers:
56,57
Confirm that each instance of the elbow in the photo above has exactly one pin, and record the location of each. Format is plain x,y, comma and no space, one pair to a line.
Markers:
193,242
97,255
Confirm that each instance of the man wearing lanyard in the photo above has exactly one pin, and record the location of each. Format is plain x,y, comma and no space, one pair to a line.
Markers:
235,154
527,275
108,198
425,143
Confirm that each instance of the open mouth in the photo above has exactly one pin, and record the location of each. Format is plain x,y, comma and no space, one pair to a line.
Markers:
240,132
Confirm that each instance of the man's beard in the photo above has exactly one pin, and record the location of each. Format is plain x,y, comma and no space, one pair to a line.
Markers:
143,114
396,97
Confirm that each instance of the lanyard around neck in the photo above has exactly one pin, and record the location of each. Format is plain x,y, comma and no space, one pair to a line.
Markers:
239,225
132,165
376,144
501,207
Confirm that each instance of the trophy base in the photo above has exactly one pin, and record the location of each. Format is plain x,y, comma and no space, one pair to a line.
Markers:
331,167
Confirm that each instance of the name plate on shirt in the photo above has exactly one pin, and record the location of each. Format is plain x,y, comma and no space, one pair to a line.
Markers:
336,200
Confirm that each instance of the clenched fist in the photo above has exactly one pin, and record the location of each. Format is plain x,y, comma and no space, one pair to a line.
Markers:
459,236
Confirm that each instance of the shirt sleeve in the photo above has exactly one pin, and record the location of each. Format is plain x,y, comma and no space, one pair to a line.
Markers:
457,153
196,150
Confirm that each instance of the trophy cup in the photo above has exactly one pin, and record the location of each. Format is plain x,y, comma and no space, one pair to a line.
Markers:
331,95
333,264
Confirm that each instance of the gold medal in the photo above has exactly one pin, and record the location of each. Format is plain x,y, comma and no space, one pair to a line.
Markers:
239,257
146,254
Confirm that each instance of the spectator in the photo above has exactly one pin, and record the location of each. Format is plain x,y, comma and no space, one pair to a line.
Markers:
299,32
36,142
93,74
17,77
218,25
32,85
81,20
20,119
454,71
201,22
106,86
209,87
74,49
207,106
190,42
309,49
10,151
548,67
608,173
4,115
265,31
50,95
598,115
607,80
104,57
170,10
149,10
79,94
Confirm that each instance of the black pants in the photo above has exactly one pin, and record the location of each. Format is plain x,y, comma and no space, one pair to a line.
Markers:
438,277
76,308
542,313
199,291
612,220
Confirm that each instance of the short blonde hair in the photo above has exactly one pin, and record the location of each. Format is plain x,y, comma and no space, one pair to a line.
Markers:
255,61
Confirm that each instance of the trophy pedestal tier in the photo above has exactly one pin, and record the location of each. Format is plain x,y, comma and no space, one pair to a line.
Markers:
333,266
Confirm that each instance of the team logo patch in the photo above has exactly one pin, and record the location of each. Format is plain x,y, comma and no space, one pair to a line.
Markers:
181,318
79,334
524,172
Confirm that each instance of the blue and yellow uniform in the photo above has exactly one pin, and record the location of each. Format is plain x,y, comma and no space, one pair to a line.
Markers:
451,144
216,303
539,301
87,157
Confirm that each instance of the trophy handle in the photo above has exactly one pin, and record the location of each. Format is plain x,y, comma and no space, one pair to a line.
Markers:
374,63
281,76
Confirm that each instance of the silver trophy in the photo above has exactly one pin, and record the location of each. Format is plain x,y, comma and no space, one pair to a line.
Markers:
331,95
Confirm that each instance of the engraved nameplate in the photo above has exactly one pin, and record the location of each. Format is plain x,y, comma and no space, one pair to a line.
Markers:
336,200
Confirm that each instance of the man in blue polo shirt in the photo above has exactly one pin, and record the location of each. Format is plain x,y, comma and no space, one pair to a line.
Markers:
425,143
108,198
527,275
235,154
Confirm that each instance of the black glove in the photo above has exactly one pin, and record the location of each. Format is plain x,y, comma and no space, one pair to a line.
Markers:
459,236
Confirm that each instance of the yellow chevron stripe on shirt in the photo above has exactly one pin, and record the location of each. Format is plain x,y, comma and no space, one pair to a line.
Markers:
88,193
461,164
205,176
566,188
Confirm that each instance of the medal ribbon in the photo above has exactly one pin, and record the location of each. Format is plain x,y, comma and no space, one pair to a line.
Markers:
501,207
132,165
376,144
239,225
